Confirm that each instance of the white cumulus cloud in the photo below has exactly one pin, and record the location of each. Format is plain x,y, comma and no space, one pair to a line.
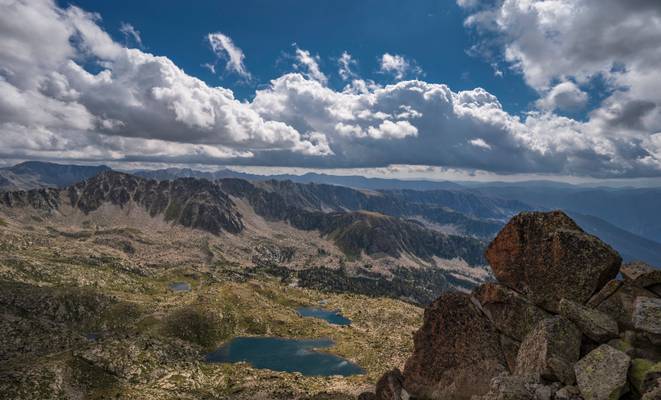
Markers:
398,66
134,106
310,65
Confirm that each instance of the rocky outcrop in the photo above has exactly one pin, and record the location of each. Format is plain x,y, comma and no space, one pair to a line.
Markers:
547,257
602,374
456,351
557,318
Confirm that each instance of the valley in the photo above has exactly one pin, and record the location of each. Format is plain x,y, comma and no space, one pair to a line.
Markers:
119,286
83,318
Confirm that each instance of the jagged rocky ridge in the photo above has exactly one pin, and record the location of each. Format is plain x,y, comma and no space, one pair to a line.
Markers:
557,324
206,205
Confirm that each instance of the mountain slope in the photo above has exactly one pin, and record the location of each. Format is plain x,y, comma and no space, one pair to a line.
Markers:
635,210
630,246
205,205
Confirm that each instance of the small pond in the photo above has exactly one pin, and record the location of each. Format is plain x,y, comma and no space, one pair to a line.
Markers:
287,355
180,287
333,317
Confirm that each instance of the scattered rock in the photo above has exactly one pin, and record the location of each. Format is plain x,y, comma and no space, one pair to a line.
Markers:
568,393
547,257
620,305
644,374
390,386
594,324
456,351
512,387
641,274
551,349
647,315
510,312
602,374
605,292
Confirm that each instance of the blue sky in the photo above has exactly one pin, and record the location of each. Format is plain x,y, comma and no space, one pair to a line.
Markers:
500,89
431,32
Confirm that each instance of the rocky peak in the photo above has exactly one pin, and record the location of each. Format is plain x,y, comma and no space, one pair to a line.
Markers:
194,203
556,325
547,257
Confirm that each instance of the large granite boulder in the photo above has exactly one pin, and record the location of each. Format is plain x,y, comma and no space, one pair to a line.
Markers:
602,374
390,386
550,350
547,257
456,351
510,312
594,324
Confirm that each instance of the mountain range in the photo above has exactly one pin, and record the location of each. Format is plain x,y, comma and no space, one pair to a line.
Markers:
626,218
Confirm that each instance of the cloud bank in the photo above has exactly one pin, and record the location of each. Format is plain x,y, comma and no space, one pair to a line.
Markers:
140,107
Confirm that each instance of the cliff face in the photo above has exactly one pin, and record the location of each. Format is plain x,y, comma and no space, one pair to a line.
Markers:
193,203
41,199
556,325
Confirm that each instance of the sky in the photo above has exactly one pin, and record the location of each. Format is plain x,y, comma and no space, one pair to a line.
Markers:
567,89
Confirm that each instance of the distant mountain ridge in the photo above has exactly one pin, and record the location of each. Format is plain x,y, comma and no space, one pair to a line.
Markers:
37,174
354,181
628,219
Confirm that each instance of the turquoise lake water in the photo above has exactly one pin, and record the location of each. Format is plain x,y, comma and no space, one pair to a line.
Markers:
287,355
332,317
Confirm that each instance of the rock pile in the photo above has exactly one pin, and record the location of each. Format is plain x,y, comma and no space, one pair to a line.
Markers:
557,325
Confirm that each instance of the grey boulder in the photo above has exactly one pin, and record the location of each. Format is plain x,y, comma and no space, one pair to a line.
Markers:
602,374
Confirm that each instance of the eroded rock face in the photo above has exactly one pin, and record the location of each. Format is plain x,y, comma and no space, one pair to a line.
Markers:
602,374
550,350
457,351
593,323
510,312
547,257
